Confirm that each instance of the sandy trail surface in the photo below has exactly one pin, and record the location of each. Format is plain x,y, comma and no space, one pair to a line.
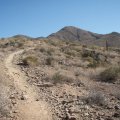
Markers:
28,108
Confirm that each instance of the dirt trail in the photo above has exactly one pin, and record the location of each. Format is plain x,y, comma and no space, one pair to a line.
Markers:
28,109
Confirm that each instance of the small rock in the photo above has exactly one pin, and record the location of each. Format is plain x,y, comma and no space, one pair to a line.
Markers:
37,99
12,97
23,97
116,115
72,118
110,107
15,111
117,107
109,118
87,107
86,114
13,102
63,102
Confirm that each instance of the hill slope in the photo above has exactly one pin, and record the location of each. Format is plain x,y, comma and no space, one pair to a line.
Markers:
86,37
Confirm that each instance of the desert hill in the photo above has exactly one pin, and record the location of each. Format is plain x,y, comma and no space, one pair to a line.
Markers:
86,37
59,78
70,33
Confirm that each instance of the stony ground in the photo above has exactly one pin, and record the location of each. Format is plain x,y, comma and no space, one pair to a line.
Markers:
57,80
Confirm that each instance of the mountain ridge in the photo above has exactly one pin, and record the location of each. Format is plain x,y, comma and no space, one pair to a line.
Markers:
86,37
72,33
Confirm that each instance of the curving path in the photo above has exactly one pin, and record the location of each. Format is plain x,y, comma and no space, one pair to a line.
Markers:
29,108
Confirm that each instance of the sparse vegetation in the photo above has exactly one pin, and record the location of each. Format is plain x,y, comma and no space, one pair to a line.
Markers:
97,98
59,78
94,58
49,60
42,49
48,51
110,75
64,74
117,95
30,61
93,64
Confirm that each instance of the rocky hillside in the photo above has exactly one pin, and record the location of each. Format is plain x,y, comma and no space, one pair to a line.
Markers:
44,79
78,82
71,33
86,37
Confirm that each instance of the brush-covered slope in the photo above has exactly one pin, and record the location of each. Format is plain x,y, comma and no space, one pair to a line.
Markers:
86,37
74,33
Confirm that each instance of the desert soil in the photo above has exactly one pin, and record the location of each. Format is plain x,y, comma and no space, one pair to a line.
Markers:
27,105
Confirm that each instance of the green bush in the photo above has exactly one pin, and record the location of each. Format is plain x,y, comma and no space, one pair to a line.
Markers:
110,74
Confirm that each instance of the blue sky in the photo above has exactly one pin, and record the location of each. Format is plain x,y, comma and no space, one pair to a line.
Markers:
42,17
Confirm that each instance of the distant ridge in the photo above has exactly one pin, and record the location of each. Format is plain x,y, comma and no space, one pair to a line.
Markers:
87,37
76,34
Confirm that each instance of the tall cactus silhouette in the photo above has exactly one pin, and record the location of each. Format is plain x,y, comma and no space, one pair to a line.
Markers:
106,45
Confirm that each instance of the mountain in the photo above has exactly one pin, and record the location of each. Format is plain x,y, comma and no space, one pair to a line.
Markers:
86,37
112,38
73,33
76,34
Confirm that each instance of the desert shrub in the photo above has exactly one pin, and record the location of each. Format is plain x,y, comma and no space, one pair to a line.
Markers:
77,73
84,46
16,43
30,60
49,61
110,74
94,47
89,53
77,49
59,78
53,42
20,45
95,59
93,64
97,98
68,51
48,51
12,43
42,50
117,95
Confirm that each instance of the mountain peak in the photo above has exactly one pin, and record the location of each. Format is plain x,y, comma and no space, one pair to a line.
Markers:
74,33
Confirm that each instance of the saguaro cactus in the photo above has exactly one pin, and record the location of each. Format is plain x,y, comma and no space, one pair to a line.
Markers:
106,45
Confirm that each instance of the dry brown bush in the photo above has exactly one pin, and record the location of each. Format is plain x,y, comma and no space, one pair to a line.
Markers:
30,61
95,97
110,74
59,78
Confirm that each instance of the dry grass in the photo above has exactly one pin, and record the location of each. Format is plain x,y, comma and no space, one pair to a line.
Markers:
97,98
49,61
30,61
60,78
110,74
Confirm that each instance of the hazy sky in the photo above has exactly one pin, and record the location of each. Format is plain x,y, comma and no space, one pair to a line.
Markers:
42,17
